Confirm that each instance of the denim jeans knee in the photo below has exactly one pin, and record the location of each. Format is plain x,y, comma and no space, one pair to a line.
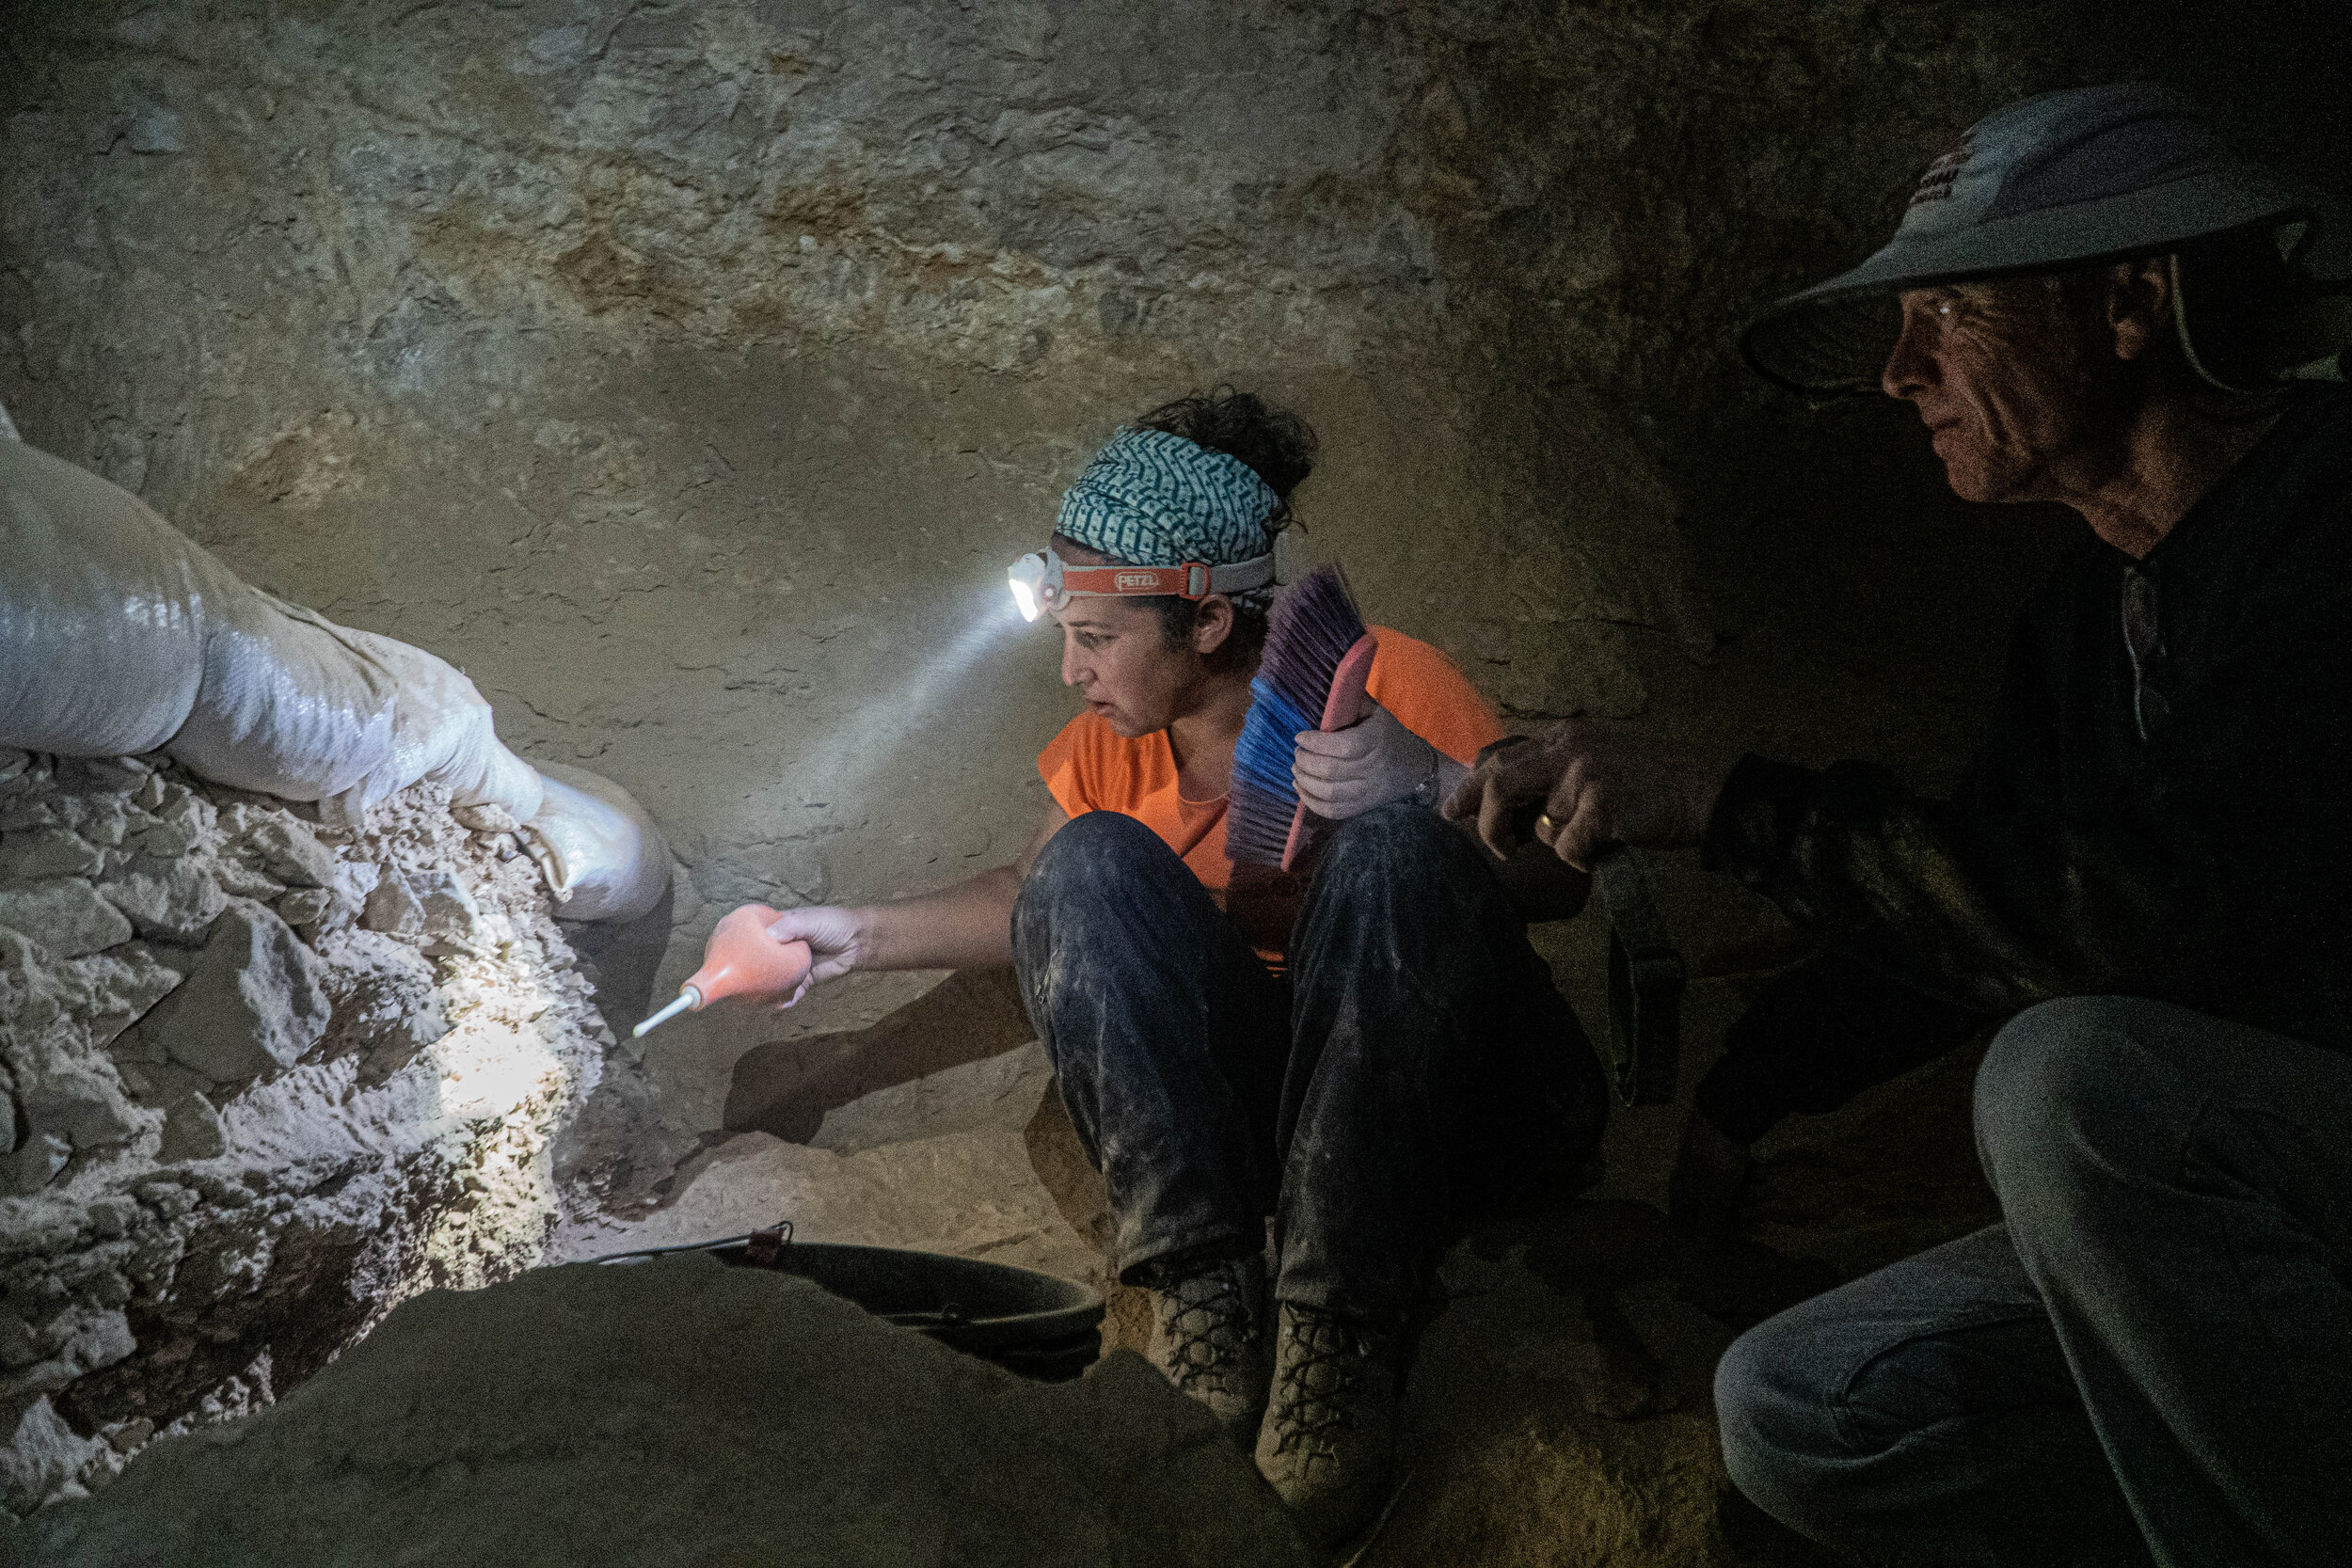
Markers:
2053,1091
1398,845
1103,891
1775,1430
1096,853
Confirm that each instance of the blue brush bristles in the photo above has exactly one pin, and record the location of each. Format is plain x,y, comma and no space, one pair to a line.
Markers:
1311,627
1262,799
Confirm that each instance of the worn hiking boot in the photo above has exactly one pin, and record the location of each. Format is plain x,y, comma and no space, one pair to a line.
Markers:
1331,1426
1209,1335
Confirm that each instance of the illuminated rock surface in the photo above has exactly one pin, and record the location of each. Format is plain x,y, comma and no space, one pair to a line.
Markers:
232,1142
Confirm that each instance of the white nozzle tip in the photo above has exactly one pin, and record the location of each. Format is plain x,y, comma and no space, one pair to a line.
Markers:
685,998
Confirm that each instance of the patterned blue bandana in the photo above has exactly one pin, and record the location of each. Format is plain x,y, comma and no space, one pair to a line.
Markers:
1156,499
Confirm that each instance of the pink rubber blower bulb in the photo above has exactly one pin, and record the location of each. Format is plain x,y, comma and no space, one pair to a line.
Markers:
741,960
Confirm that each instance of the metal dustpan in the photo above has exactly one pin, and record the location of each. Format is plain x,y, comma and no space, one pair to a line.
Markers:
1037,1325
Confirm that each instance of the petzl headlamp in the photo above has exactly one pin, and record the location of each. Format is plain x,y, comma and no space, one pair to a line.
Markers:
1043,584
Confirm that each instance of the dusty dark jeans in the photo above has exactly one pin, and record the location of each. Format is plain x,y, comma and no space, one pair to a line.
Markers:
1416,1065
2151,1360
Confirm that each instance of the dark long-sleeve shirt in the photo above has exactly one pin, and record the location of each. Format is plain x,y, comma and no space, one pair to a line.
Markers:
2165,812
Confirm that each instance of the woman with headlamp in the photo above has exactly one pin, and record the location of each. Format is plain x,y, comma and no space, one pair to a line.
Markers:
1365,1057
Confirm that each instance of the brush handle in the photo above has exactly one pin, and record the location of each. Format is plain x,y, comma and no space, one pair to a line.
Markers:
1347,703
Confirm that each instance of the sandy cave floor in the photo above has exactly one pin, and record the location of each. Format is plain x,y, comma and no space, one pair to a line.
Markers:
1558,1407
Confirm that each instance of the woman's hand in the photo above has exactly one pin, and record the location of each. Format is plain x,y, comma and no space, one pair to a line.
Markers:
838,941
1347,772
1587,784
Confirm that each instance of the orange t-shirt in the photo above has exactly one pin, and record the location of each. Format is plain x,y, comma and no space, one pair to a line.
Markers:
1090,767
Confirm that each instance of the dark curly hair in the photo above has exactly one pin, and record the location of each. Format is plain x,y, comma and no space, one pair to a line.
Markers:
1279,447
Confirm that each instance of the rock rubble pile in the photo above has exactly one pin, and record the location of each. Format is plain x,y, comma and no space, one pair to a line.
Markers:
262,1079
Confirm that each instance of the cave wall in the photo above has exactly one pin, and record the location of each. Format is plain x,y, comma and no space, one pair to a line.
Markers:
688,373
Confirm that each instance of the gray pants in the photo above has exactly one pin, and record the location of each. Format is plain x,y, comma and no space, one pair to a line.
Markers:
2150,1360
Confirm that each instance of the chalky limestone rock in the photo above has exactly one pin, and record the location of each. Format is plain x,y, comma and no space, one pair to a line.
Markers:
237,1123
251,999
73,920
166,897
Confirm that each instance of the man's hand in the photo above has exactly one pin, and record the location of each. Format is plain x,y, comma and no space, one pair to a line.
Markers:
1587,784
1348,772
837,941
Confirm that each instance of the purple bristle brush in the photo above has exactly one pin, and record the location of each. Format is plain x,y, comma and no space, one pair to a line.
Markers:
1312,676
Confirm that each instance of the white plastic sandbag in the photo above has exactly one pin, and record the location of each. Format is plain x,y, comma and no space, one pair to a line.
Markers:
602,856
293,704
118,636
102,613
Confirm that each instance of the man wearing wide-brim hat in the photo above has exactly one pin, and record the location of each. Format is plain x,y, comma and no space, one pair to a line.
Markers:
2147,873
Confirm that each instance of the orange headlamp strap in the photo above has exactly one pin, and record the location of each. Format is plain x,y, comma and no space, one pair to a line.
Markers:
1188,581
1044,581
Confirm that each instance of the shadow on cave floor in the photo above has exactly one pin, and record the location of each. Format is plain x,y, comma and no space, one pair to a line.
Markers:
786,1088
1558,1406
